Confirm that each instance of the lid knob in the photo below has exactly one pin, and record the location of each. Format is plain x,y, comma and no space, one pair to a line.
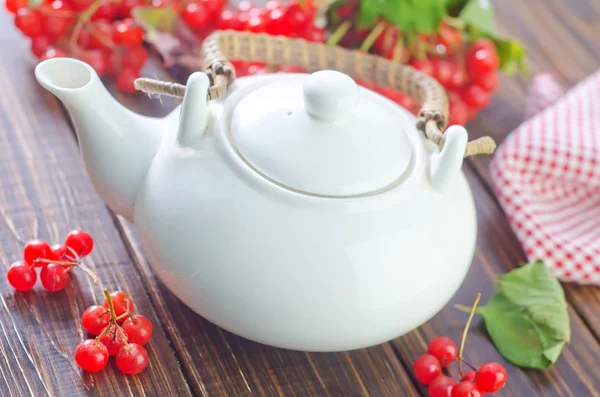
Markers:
330,95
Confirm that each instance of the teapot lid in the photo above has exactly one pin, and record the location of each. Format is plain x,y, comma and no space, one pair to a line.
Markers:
321,134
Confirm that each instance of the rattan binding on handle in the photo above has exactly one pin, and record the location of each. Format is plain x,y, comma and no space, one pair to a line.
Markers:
223,45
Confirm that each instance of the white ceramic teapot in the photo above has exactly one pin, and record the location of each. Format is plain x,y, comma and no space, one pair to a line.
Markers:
296,210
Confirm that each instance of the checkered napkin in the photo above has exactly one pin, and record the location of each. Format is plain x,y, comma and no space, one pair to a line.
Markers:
547,178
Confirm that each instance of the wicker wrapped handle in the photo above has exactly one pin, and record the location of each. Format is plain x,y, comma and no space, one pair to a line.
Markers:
221,45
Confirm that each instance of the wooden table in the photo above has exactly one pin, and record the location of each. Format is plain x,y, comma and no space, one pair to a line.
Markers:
44,193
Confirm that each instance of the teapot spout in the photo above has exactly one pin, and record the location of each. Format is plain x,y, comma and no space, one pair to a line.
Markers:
117,145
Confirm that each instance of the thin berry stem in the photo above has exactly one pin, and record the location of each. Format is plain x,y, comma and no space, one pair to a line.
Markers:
339,33
63,263
464,335
398,48
89,272
75,256
127,313
111,306
83,18
372,37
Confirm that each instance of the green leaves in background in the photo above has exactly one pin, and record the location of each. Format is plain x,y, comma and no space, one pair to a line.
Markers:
155,19
527,319
424,16
478,14
411,16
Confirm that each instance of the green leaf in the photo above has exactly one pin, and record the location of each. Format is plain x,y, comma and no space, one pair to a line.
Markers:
430,14
479,15
368,13
527,319
34,3
513,334
535,288
155,19
512,55
400,13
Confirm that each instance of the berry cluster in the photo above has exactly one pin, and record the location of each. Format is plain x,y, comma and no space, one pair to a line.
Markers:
55,262
442,352
292,19
431,369
467,70
118,332
99,32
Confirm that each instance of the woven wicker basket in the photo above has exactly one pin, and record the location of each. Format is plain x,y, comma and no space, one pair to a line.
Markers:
221,45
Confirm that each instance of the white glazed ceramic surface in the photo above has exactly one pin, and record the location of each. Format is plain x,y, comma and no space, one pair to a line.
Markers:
259,258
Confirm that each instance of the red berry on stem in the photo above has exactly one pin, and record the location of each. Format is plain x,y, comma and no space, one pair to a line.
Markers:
58,251
213,7
29,22
449,37
491,377
134,59
109,10
54,277
138,329
101,35
195,15
475,96
255,24
79,241
482,58
39,45
58,18
444,72
126,79
21,276
37,249
132,359
52,52
228,20
469,376
441,386
459,79
458,113
488,82
241,68
444,349
113,339
466,389
14,5
97,60
128,33
121,302
423,65
314,34
427,368
80,5
91,355
276,23
297,18
94,319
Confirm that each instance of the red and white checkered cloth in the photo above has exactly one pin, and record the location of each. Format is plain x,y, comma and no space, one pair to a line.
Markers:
547,178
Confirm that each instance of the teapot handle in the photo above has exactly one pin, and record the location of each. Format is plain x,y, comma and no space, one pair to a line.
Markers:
221,45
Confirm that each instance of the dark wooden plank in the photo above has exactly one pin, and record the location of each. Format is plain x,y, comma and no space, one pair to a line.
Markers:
44,194
562,38
497,252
